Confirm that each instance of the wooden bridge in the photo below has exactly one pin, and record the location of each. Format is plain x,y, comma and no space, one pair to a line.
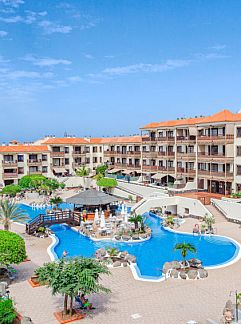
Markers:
70,217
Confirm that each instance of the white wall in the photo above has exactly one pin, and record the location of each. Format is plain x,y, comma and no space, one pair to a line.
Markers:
195,207
231,210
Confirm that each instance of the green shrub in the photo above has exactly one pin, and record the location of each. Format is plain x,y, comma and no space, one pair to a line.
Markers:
7,312
11,190
41,229
101,169
12,248
32,181
107,182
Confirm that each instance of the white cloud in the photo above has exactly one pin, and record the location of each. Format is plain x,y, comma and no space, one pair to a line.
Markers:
88,56
3,33
218,47
22,74
46,61
12,3
144,67
12,20
75,78
51,27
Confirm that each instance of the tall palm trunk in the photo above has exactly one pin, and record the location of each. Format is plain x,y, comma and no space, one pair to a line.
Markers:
65,304
6,226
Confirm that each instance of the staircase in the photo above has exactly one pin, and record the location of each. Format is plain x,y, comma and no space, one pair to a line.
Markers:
219,217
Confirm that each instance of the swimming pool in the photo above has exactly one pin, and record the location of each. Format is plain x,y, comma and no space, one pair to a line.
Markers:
33,212
151,255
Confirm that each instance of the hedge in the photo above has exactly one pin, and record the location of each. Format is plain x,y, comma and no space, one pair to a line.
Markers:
12,248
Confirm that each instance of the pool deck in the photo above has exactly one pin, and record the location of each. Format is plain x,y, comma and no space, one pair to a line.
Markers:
169,302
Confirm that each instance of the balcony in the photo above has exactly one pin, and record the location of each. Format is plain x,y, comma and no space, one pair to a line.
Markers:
12,175
216,139
148,139
57,154
220,175
120,153
186,155
168,139
149,154
165,154
79,153
214,157
77,165
186,139
34,172
186,171
156,168
9,164
133,166
34,162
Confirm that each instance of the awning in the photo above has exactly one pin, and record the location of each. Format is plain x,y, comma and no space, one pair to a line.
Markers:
114,170
128,171
91,197
158,176
59,170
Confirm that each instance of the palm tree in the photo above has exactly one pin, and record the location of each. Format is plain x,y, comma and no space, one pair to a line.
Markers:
136,219
56,201
209,220
112,251
83,172
185,247
10,212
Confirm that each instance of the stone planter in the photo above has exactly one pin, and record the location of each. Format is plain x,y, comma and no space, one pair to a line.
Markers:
63,319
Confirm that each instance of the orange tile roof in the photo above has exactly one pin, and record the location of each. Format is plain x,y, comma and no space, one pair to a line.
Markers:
222,116
103,140
24,148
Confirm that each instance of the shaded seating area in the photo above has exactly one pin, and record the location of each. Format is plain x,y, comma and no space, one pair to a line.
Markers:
88,201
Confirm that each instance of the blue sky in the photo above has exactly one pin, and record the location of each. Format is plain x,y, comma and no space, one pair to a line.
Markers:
108,67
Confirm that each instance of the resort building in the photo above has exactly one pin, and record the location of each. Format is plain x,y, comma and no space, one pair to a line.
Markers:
196,153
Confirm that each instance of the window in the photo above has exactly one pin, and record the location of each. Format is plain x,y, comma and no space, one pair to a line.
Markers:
66,161
95,160
66,149
20,158
44,169
238,131
87,160
100,159
238,169
94,149
20,170
56,148
100,149
238,150
44,157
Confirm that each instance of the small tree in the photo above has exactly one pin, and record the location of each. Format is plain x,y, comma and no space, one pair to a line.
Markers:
7,311
71,276
107,183
83,172
101,169
112,251
209,220
184,248
12,248
136,219
11,190
10,212
56,201
32,181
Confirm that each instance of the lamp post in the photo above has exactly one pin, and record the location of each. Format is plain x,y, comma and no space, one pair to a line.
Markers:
236,302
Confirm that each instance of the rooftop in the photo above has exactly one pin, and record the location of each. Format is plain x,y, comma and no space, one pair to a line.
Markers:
22,148
222,116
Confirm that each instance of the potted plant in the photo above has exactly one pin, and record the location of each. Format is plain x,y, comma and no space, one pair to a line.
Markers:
203,229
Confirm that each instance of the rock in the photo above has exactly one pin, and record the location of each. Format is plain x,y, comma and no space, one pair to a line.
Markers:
202,273
116,264
166,267
117,237
144,236
131,258
174,273
102,252
135,237
175,265
124,264
196,263
126,237
192,274
183,275
123,255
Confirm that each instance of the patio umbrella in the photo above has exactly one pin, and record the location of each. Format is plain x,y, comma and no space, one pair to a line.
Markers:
123,209
102,220
96,219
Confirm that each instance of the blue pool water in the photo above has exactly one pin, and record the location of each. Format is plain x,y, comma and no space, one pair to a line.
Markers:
35,212
152,254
